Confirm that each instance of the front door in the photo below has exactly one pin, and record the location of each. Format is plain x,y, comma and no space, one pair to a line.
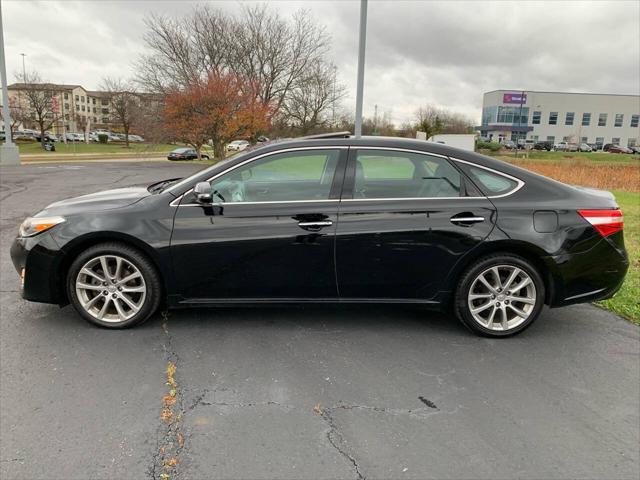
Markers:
404,221
269,234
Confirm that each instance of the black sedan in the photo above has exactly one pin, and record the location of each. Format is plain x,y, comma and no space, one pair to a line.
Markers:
185,153
334,219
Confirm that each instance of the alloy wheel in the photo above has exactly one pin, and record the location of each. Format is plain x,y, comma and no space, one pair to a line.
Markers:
502,297
110,288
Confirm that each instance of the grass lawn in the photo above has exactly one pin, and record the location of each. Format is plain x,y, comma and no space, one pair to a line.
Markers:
590,157
627,300
108,148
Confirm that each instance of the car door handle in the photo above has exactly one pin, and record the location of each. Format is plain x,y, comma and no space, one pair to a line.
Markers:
466,220
324,223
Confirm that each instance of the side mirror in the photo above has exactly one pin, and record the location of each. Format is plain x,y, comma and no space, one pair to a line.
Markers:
202,192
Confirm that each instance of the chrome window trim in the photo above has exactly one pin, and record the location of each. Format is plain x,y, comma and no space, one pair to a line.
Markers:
176,202
520,183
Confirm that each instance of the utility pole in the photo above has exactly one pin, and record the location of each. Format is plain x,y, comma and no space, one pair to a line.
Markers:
333,103
519,126
24,70
360,83
375,119
9,154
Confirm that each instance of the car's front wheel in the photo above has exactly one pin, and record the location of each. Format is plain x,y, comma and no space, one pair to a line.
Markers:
499,295
113,285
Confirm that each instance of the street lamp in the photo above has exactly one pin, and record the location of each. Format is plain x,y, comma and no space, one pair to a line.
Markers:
360,83
9,154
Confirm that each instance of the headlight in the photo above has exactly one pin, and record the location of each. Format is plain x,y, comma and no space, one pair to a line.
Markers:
34,225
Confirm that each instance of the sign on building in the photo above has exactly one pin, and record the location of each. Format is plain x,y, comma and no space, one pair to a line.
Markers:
516,98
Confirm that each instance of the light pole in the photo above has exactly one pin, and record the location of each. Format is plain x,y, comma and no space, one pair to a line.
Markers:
360,84
9,154
24,70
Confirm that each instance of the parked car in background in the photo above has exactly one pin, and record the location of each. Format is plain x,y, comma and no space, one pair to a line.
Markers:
509,145
635,149
548,146
594,147
584,147
332,219
75,137
262,139
186,153
136,138
611,148
237,145
565,147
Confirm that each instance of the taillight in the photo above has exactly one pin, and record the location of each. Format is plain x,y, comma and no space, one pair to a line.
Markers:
607,222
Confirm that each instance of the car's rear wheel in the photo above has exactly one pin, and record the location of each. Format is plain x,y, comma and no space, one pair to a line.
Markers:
113,285
499,295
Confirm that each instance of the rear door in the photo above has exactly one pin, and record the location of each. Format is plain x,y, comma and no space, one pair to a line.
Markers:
270,233
405,218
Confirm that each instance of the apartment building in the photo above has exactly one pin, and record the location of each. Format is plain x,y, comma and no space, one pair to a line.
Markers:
561,116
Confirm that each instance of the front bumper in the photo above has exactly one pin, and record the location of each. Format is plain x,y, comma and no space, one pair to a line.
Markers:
39,258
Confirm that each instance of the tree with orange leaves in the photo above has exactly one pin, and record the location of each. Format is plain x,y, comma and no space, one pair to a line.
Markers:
220,109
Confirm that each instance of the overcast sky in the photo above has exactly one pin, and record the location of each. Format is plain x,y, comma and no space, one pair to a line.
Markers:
443,53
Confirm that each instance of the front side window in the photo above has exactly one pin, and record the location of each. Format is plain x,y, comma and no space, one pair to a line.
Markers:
586,119
602,120
634,120
397,174
290,176
619,120
568,120
553,118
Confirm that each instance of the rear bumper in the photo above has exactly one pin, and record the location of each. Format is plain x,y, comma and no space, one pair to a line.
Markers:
593,275
38,257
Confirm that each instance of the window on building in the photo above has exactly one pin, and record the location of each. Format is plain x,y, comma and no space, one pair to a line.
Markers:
94,109
66,116
566,138
602,120
105,119
513,115
634,120
105,101
584,139
536,118
615,140
77,108
586,119
568,119
553,118
83,108
93,101
66,106
551,138
619,119
105,110
599,141
534,138
95,119
631,142
66,95
77,98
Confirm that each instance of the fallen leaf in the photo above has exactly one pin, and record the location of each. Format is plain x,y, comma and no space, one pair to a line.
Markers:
180,439
317,409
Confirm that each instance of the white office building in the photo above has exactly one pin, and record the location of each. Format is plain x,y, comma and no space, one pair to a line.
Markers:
558,116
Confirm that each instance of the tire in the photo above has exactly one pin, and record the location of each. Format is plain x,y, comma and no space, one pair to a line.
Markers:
133,286
499,312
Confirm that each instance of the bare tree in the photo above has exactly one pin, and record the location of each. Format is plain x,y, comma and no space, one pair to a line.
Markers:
17,114
433,120
312,97
259,45
39,95
124,102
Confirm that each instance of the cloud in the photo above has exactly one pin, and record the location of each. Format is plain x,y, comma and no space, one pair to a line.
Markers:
442,53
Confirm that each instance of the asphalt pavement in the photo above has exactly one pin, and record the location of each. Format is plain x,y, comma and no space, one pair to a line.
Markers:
331,392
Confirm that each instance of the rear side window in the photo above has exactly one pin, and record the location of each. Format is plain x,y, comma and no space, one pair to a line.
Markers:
491,183
398,174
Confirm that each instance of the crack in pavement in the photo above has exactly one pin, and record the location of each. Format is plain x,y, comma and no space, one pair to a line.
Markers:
333,431
170,439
